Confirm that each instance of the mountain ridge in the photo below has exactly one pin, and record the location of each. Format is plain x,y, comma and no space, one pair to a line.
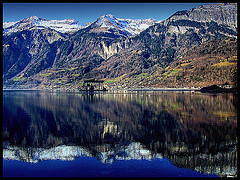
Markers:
45,58
222,13
71,25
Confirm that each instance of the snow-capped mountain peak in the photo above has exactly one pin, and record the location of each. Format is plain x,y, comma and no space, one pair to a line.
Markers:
108,16
64,26
107,21
126,27
130,27
33,18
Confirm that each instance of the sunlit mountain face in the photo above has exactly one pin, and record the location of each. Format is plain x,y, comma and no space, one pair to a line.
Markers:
191,48
192,130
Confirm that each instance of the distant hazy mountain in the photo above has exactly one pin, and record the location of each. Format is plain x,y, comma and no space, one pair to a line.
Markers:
39,53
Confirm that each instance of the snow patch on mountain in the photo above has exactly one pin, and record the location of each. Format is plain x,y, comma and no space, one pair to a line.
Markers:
128,27
222,13
63,26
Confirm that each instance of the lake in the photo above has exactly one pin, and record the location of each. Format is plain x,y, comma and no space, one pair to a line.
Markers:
112,134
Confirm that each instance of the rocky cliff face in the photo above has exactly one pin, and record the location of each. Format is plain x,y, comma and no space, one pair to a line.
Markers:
105,48
222,13
29,52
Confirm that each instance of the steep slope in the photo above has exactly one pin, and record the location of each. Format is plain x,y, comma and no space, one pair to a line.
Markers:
212,62
221,13
108,24
28,52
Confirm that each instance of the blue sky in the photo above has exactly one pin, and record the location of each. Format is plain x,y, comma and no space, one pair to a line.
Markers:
89,12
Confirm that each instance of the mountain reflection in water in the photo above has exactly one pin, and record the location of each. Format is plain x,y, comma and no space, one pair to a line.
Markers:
192,130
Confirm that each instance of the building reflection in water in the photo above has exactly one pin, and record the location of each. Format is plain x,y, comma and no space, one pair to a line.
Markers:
192,130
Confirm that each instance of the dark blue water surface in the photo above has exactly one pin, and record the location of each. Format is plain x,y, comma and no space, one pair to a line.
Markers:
132,134
91,167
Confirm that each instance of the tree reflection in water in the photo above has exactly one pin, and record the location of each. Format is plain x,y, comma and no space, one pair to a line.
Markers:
192,130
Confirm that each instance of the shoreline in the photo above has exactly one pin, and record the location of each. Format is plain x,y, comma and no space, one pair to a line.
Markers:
127,90
130,89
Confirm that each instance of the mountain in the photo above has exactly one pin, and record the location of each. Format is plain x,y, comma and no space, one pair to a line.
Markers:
146,61
125,27
129,26
221,13
125,53
34,22
135,150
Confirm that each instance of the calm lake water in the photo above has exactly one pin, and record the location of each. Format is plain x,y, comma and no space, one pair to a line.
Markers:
163,134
